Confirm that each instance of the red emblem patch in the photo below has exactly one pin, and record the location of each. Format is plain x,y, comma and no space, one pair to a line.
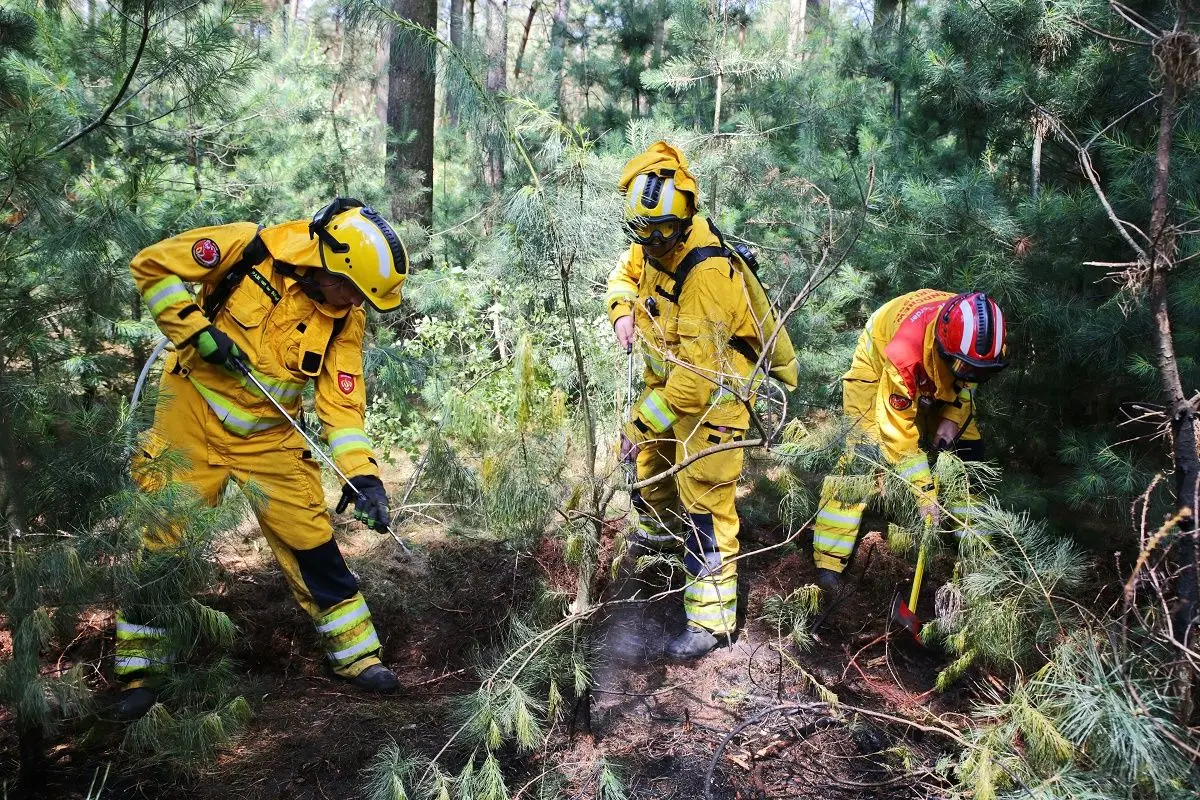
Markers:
900,402
206,253
346,382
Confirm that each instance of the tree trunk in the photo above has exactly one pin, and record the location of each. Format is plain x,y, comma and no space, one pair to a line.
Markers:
533,9
558,45
456,39
410,117
1035,166
896,81
883,14
1161,255
497,82
797,12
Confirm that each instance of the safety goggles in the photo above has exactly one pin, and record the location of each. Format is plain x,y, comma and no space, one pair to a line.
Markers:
971,373
653,233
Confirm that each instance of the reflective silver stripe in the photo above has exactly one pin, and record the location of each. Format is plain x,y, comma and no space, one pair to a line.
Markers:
726,619
131,662
916,467
657,366
128,629
706,591
835,544
231,421
721,395
370,643
833,516
348,617
166,293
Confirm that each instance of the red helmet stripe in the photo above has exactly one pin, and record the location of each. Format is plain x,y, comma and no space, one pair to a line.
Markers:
967,345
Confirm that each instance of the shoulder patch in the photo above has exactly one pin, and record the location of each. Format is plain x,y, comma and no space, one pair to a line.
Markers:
206,253
900,402
346,382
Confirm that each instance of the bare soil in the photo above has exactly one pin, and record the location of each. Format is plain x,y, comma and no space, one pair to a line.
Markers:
660,723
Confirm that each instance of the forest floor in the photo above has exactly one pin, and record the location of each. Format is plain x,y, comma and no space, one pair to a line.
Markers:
660,723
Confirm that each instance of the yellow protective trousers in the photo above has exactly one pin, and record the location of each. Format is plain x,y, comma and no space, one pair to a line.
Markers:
188,445
695,509
843,500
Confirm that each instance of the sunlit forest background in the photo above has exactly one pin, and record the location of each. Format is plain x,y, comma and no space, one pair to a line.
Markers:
1045,152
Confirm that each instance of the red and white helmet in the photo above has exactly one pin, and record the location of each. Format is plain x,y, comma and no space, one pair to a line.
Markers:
970,334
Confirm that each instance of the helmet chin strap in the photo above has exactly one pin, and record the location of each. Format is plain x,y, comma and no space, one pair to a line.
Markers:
303,277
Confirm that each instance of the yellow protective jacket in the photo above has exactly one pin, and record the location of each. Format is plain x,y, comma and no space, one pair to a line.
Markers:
896,373
695,330
287,338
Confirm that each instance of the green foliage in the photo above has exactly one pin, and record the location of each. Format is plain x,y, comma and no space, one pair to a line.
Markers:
1005,606
1091,723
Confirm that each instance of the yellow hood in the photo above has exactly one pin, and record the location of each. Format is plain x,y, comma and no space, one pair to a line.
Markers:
661,157
290,243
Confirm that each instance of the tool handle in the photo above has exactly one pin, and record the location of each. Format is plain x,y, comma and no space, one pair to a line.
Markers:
920,573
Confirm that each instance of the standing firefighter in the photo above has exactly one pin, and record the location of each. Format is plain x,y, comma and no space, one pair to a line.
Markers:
287,301
914,372
684,295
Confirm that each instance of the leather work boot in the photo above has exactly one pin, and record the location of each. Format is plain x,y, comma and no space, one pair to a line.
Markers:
376,678
693,643
133,704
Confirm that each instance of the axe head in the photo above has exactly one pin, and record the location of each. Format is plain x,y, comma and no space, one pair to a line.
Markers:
906,617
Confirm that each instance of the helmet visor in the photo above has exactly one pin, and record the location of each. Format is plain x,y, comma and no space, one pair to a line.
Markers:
653,233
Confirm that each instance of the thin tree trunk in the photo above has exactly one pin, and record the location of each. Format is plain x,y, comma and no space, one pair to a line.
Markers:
497,83
533,9
456,40
558,44
1035,166
884,11
410,116
896,81
1163,245
797,10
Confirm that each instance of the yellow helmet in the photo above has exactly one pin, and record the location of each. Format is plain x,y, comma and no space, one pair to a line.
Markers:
655,211
358,244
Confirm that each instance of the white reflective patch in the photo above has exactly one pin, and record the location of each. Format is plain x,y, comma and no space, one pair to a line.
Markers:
370,643
635,192
382,251
131,662
357,613
968,335
140,630
998,339
668,194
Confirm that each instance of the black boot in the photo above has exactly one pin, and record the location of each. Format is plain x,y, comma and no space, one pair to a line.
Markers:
693,643
133,704
377,679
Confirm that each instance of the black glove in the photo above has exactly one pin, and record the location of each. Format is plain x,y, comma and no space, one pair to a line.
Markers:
370,501
215,346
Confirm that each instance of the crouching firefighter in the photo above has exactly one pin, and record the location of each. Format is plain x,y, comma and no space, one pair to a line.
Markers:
687,298
287,301
910,392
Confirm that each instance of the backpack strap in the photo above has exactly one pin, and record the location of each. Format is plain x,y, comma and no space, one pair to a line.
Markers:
689,263
254,254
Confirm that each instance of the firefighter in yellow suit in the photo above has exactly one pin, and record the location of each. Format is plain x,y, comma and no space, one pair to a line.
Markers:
686,328
915,372
287,300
